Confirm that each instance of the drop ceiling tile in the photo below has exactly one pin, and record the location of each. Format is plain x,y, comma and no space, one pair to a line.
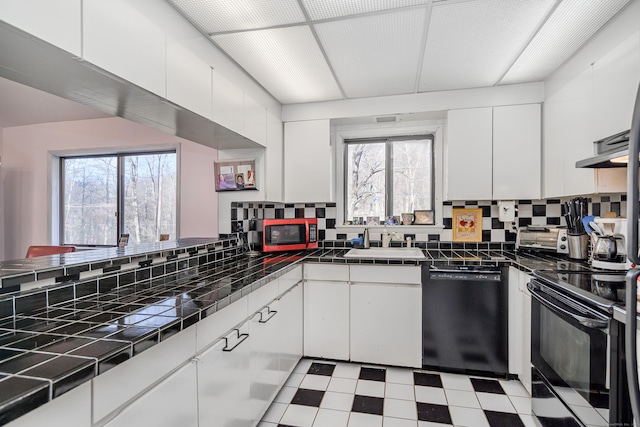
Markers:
327,9
214,16
375,55
286,61
571,25
472,44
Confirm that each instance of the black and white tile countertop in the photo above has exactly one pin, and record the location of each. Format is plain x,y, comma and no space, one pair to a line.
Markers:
105,306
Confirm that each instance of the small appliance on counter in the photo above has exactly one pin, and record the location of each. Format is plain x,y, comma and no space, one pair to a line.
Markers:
544,238
608,242
273,235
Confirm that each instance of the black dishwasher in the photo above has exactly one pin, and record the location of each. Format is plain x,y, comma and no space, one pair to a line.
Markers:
465,319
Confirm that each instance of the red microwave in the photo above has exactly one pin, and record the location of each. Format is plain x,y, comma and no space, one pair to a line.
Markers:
289,234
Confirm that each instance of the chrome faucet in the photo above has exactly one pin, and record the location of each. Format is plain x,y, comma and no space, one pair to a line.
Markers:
386,237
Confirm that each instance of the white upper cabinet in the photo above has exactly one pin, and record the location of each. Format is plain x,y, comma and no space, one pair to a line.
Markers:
228,102
274,159
595,104
55,21
255,121
516,152
189,80
120,39
469,155
307,161
494,153
615,84
568,138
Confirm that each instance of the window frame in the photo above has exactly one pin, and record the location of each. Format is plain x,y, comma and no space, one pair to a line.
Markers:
342,131
120,156
389,172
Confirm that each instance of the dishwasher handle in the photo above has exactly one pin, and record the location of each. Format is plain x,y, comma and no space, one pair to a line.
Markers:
467,275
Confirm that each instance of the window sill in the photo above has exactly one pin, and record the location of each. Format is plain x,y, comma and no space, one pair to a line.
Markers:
403,228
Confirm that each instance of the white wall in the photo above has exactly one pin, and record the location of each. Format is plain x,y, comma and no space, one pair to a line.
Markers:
529,93
26,153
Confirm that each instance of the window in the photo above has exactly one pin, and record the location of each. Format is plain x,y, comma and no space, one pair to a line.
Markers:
388,176
105,196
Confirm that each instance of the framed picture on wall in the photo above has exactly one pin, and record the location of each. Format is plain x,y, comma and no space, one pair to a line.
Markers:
235,175
467,225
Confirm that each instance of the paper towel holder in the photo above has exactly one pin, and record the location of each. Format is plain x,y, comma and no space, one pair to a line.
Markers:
506,210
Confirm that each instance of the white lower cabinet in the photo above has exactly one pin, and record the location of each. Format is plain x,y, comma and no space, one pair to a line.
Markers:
520,326
290,339
386,324
525,335
240,375
224,381
264,359
326,319
173,402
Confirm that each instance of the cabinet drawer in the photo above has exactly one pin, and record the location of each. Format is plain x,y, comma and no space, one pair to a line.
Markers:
331,272
409,275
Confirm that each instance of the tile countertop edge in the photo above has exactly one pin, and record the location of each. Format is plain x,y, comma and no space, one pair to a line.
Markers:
286,262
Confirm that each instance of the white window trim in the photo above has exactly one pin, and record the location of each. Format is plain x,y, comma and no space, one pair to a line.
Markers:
342,133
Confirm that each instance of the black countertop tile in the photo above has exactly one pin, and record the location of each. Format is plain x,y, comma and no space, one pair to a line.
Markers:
74,339
20,395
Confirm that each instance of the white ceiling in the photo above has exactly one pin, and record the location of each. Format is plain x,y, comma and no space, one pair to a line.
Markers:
320,50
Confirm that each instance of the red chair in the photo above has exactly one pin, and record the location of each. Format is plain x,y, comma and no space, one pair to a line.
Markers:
35,251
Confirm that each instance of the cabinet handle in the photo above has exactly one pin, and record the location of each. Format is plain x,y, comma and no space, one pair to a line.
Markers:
270,314
241,338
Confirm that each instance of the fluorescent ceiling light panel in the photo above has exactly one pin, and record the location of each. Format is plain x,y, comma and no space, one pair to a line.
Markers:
327,9
374,55
286,61
214,16
570,26
471,44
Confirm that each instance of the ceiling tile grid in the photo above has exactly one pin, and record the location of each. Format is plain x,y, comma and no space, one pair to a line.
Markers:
319,50
571,25
375,55
215,16
327,9
472,44
286,61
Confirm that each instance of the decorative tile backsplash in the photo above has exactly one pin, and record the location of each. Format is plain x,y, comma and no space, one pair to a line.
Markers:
528,212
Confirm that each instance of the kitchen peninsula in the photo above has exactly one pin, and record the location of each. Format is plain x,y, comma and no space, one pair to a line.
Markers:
168,307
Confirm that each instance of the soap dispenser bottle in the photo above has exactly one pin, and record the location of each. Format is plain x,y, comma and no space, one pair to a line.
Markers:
365,239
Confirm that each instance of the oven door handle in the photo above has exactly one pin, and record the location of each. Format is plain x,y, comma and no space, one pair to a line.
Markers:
589,322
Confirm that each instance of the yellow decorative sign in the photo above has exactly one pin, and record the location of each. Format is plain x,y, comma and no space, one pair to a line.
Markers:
467,225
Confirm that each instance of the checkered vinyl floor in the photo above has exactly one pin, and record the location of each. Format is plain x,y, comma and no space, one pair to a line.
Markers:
322,393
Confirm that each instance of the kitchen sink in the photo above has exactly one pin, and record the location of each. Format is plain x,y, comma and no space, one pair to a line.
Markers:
402,253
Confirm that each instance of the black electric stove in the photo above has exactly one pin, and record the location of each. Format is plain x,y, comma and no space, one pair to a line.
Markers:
601,288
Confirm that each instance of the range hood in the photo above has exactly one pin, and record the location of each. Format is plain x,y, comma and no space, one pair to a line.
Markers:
612,152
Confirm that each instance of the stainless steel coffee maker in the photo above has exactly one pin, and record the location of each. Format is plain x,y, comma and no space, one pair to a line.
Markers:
609,242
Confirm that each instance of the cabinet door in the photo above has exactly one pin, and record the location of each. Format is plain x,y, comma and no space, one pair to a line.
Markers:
228,103
516,152
224,382
274,159
291,333
189,80
568,121
386,324
255,121
264,359
71,409
56,21
525,336
307,161
121,39
468,154
171,403
615,84
326,319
